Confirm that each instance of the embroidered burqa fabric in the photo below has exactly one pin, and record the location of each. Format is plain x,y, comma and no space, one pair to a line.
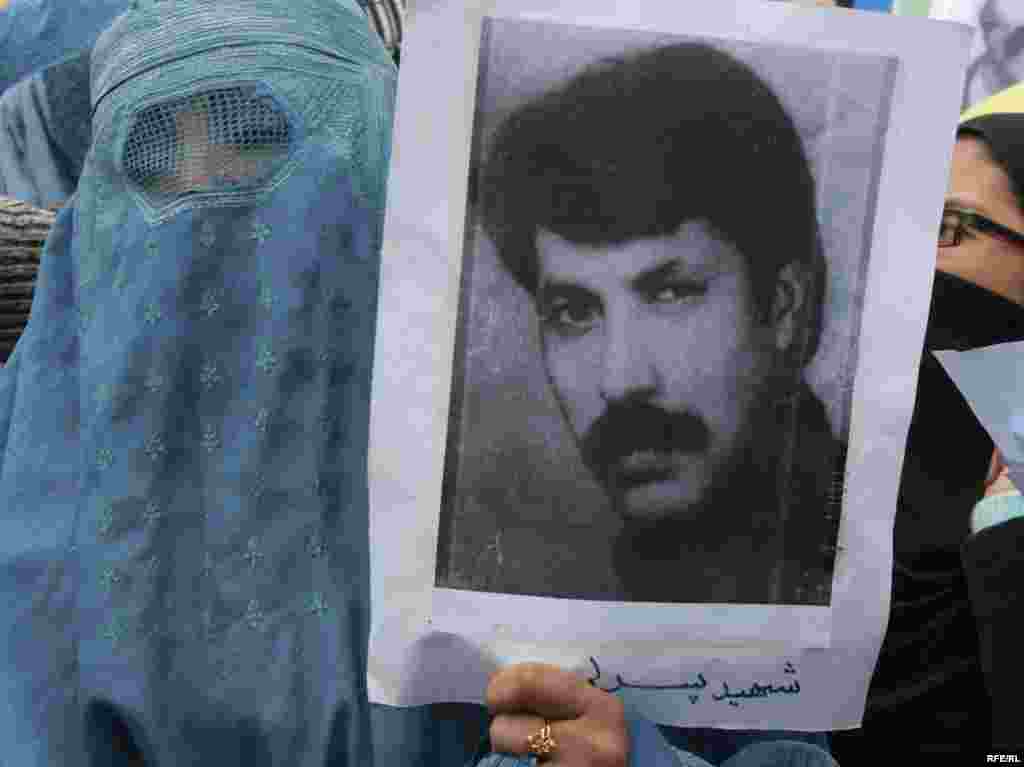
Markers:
183,425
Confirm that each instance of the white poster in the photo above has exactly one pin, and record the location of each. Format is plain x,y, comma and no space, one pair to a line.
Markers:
653,293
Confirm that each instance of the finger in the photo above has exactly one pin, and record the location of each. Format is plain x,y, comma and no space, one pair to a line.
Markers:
578,742
548,691
1002,485
510,733
995,467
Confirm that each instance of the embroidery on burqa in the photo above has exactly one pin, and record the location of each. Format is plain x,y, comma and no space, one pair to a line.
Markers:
238,627
241,611
252,560
128,474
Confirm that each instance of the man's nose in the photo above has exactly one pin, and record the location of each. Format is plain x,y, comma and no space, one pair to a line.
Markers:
628,372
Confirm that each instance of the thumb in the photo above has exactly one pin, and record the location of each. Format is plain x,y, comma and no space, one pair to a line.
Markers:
996,467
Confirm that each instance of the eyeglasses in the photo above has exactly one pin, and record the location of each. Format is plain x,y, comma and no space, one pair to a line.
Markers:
956,223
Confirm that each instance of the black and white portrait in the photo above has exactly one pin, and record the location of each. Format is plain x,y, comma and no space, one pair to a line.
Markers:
665,260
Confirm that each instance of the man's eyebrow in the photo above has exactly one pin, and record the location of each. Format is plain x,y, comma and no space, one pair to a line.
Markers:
672,269
562,288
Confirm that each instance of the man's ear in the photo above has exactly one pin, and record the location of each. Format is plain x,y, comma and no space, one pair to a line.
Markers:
789,305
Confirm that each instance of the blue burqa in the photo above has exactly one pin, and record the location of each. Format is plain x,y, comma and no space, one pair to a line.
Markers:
37,33
183,424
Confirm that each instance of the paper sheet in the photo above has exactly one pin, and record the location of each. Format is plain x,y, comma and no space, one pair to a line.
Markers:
458,373
992,381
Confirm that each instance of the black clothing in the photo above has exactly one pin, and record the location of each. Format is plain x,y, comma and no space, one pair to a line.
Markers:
787,487
929,694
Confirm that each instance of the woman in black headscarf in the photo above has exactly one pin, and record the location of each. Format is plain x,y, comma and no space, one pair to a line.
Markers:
946,678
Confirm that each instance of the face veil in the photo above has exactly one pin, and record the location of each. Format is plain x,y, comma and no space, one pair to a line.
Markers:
184,423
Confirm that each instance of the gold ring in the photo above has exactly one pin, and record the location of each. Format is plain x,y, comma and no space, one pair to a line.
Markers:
541,743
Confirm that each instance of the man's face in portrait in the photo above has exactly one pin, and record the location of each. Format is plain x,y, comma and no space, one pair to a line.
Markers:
656,354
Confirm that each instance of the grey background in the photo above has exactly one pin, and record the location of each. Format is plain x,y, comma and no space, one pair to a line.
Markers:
520,512
997,55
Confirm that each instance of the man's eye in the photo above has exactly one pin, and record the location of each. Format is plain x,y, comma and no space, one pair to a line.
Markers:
568,316
678,292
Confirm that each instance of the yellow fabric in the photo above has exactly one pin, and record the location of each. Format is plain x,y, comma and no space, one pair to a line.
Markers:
1009,101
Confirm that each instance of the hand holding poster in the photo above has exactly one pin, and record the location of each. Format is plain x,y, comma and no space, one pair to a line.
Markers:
653,294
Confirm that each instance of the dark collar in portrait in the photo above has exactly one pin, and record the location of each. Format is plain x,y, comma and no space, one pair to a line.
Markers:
767,532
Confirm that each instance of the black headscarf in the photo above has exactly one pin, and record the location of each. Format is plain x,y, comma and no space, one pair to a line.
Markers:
948,451
946,440
1004,136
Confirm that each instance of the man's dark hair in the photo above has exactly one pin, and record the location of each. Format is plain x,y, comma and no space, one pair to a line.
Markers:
634,147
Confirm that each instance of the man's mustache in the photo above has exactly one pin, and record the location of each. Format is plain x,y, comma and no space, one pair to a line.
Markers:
625,429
